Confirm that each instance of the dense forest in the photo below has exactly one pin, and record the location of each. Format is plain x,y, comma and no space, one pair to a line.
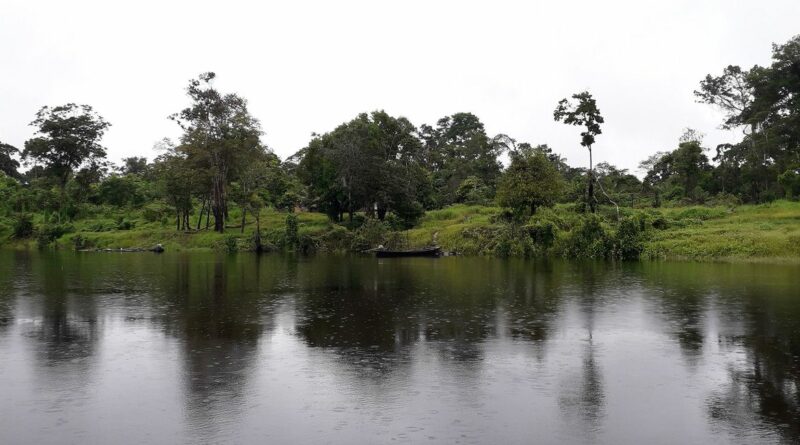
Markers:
382,170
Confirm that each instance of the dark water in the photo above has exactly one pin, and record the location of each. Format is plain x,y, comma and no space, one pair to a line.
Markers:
143,348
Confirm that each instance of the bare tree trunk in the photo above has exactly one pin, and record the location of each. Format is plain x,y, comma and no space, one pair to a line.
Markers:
590,185
244,215
200,217
217,205
258,231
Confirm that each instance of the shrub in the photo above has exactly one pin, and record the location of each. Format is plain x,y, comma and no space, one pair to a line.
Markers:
512,240
292,237
543,233
473,191
102,226
588,240
336,238
628,240
47,233
307,243
81,242
660,223
371,234
700,213
154,212
124,224
22,226
231,243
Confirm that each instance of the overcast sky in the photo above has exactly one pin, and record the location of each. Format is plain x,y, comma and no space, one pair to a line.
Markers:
307,66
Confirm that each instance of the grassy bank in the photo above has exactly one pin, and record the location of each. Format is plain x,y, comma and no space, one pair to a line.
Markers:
767,232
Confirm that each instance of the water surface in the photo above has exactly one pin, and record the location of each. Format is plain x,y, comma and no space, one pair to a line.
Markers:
204,348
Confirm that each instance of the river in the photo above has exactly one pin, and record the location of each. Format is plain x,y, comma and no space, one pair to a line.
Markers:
202,348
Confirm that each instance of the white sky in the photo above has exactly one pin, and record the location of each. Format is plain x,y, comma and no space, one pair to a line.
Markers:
307,66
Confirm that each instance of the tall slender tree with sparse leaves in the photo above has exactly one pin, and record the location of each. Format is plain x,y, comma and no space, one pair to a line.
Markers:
583,112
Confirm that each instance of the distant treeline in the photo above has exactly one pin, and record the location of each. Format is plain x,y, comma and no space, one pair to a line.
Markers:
383,166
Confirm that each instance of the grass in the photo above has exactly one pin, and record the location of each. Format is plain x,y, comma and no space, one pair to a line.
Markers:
765,232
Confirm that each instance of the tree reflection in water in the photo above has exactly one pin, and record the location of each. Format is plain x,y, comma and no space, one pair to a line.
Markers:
469,340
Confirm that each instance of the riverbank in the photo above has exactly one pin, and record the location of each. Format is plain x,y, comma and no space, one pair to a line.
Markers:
753,233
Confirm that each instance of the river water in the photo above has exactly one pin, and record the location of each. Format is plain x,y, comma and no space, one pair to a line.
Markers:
203,348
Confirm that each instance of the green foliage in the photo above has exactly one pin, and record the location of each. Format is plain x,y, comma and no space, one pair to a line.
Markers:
46,234
512,240
455,149
80,242
629,239
292,236
22,226
8,164
589,239
473,191
372,233
231,243
583,112
371,163
125,224
68,137
790,181
530,182
221,138
122,191
543,233
762,102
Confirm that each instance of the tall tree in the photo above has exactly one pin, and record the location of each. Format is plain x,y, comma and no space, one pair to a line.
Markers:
219,135
458,148
531,181
765,102
583,112
371,162
8,163
68,137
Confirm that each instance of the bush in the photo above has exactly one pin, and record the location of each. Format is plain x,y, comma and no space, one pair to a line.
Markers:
473,191
124,224
22,226
102,226
543,233
154,212
292,237
371,234
725,200
660,223
81,242
231,243
513,241
700,213
307,243
47,233
628,240
588,240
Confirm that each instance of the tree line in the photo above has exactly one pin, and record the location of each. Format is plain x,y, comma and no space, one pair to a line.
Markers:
383,166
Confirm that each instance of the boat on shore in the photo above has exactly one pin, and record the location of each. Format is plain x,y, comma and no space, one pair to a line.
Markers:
431,252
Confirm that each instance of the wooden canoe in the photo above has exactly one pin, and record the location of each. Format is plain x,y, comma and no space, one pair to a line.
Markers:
427,252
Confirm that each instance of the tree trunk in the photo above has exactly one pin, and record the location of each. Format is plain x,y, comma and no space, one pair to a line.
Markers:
244,215
218,204
200,217
590,185
258,232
